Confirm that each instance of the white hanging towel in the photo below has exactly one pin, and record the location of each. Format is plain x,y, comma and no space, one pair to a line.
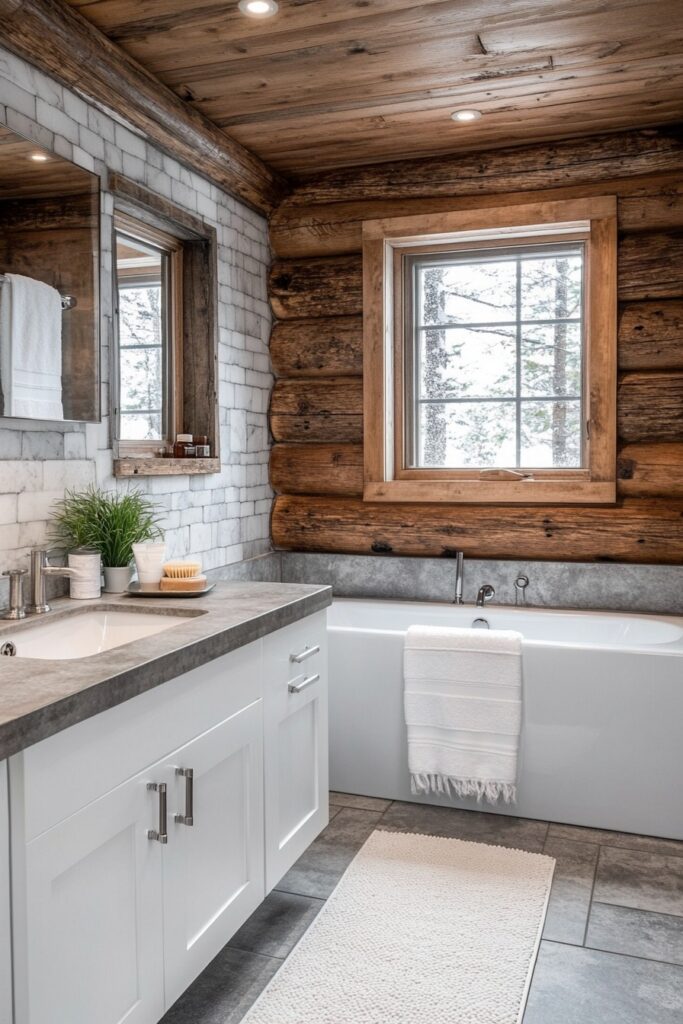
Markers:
31,348
463,708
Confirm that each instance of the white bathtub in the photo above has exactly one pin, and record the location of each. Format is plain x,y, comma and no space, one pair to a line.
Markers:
602,739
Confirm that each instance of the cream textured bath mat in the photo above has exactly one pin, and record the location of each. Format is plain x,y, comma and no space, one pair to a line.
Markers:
420,930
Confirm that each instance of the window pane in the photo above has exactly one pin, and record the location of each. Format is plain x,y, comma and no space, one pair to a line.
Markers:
474,434
136,427
551,434
468,363
551,287
140,379
141,270
551,360
467,292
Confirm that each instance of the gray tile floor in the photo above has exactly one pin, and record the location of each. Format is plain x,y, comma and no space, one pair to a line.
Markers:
612,949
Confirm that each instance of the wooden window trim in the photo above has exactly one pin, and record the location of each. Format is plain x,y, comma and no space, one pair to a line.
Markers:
384,242
197,376
172,247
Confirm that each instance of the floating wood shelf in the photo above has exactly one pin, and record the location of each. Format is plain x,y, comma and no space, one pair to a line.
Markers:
165,467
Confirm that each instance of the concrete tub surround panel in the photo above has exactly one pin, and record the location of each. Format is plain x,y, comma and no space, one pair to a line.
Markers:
581,585
35,704
221,517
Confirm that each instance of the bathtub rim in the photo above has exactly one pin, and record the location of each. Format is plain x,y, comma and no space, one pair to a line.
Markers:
668,649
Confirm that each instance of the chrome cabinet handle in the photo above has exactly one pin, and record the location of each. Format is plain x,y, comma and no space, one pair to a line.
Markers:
308,653
298,687
187,817
161,836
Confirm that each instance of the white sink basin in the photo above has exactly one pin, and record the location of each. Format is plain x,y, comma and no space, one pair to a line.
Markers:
86,633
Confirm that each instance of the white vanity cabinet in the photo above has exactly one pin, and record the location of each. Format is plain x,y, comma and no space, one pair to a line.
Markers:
213,867
5,937
141,838
88,919
296,745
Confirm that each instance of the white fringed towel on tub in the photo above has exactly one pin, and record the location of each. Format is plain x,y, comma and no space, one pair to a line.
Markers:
463,707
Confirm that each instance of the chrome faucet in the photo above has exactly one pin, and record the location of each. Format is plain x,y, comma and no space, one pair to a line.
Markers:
459,561
485,594
40,568
16,609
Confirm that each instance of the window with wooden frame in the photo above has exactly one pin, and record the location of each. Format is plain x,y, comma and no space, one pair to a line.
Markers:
165,359
148,369
490,355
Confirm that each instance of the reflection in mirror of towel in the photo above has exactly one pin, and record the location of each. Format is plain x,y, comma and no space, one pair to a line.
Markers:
30,348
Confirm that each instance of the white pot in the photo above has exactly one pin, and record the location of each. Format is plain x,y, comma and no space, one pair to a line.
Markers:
116,578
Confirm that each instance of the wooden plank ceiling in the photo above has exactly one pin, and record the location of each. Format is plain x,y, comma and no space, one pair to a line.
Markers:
332,83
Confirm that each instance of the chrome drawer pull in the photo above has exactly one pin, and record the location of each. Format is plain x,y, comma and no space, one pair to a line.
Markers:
162,835
298,687
187,817
308,653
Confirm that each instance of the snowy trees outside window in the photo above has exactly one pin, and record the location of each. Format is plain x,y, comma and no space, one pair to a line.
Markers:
142,276
497,359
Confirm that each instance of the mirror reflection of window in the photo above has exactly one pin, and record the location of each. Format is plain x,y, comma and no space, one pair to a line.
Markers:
147,268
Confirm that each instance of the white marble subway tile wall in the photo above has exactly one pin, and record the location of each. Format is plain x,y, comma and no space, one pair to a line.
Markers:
221,517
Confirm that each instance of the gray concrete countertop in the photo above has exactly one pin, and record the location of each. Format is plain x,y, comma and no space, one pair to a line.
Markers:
39,697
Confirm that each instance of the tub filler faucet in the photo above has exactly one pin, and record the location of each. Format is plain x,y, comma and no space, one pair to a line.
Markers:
486,594
459,564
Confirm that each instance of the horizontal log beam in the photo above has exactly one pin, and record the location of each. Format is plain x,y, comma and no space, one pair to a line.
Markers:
646,203
651,335
650,338
316,288
650,470
317,469
327,347
650,407
60,42
317,410
650,266
515,169
643,470
637,531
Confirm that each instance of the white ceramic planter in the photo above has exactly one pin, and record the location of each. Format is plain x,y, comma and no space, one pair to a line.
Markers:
116,578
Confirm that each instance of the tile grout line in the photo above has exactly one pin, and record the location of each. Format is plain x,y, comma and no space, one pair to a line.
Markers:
638,910
590,901
612,952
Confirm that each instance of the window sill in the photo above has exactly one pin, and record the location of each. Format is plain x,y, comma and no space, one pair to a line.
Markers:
165,467
489,492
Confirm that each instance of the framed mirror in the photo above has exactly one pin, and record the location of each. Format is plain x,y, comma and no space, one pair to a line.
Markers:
49,270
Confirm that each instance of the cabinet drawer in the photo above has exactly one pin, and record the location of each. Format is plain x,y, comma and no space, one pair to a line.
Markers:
60,775
295,653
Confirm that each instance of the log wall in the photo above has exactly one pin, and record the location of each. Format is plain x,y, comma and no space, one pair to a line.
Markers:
316,348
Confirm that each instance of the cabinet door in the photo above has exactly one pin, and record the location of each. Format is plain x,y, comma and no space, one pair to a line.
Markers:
213,867
88,915
5,937
295,741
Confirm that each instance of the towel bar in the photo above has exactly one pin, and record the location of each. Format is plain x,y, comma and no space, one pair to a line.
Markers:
68,301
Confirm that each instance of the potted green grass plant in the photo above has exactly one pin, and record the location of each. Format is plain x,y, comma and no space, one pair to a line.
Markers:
111,524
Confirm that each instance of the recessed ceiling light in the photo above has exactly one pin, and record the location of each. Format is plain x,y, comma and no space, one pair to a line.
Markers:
39,158
258,8
466,115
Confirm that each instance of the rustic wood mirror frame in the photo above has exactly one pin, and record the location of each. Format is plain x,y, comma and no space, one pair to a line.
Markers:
197,410
386,478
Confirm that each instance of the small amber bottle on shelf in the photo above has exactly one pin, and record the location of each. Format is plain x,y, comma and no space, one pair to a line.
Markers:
183,447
